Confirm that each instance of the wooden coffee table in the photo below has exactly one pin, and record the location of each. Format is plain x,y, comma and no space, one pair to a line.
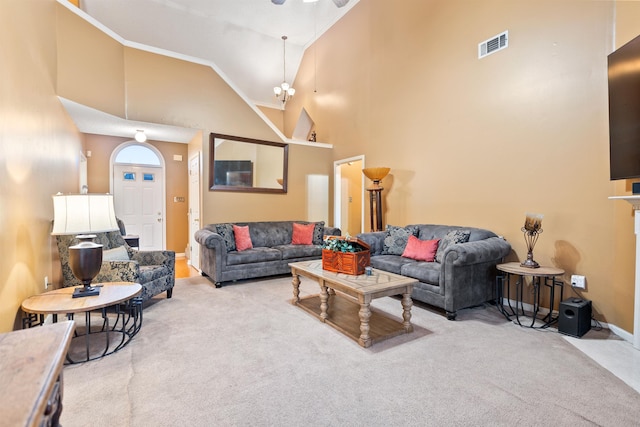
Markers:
117,301
349,310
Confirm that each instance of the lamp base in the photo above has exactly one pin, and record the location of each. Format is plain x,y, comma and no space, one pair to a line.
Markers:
530,263
86,291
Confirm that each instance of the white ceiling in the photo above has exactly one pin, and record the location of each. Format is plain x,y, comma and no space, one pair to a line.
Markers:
243,38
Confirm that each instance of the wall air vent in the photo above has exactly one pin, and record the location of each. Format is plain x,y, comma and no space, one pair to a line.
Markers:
494,44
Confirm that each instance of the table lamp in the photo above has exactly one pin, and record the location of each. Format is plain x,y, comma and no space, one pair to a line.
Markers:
83,214
532,229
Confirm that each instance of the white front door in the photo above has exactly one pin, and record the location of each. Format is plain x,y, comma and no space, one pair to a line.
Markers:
138,202
194,210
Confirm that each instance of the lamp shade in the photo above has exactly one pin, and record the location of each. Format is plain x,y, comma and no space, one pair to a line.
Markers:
83,213
375,174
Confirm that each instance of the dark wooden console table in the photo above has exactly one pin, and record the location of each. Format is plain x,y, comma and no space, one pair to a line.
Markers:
31,374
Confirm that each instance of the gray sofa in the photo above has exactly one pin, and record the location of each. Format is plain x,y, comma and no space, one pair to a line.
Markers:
271,254
465,276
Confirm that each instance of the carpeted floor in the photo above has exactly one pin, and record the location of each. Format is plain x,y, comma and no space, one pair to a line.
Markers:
242,355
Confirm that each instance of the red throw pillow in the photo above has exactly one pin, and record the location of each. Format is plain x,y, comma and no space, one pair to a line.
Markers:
421,250
302,234
242,237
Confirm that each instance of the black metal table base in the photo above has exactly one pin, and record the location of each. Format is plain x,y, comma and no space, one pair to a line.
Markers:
119,324
509,312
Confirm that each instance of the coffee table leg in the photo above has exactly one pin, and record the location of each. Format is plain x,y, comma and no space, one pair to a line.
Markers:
407,303
365,315
324,298
296,289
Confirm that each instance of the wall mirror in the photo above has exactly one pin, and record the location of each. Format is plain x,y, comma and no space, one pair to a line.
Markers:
247,165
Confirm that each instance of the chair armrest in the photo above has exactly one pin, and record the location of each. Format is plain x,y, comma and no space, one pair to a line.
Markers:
167,258
118,271
375,240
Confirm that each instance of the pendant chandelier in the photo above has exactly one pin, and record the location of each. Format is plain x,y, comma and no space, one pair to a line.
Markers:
284,92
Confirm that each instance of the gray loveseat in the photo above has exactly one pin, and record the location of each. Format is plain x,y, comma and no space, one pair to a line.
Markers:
465,275
271,254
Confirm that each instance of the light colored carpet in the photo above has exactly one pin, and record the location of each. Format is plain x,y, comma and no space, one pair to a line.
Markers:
242,355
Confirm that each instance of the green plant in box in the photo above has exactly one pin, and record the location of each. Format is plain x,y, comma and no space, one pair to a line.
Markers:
348,244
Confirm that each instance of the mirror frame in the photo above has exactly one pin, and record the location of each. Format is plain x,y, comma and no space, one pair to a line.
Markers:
285,158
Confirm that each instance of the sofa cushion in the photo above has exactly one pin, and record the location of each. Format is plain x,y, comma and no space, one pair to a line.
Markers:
421,250
226,232
427,272
302,234
390,263
270,233
453,237
299,251
242,237
249,256
396,238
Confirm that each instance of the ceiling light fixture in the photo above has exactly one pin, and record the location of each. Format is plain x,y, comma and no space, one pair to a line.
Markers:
140,136
284,92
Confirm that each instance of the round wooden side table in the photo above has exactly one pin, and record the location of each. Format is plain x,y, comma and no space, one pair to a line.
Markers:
545,276
118,301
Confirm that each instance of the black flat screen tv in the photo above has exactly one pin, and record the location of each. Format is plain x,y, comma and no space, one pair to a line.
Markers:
235,173
624,111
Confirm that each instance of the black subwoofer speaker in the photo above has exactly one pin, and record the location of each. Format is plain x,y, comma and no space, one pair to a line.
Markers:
575,317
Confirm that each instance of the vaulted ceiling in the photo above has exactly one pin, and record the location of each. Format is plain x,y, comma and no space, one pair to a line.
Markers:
242,37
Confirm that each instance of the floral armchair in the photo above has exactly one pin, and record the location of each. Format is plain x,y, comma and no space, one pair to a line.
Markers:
154,270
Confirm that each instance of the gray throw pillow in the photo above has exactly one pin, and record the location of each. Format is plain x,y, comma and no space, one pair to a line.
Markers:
318,233
226,232
396,239
453,237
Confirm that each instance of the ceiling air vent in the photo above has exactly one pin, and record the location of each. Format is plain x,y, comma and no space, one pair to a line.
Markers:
494,44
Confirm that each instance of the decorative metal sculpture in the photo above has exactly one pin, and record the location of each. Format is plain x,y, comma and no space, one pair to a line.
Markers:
532,230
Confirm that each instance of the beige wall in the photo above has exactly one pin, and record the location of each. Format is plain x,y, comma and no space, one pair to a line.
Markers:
49,51
276,117
176,181
39,151
482,142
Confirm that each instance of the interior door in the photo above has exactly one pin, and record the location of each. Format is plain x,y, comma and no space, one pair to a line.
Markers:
194,210
138,202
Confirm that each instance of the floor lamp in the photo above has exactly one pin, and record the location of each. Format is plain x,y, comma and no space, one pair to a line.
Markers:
83,214
375,198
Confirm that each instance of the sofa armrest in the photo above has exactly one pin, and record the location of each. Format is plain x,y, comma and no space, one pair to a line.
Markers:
375,240
210,239
477,252
213,253
332,231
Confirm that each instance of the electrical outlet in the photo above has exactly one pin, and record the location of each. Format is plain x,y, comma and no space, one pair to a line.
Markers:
46,282
578,281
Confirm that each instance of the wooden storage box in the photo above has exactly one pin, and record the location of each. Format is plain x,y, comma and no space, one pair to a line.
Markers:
347,262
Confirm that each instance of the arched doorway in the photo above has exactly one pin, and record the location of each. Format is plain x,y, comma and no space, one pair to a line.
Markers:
138,188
